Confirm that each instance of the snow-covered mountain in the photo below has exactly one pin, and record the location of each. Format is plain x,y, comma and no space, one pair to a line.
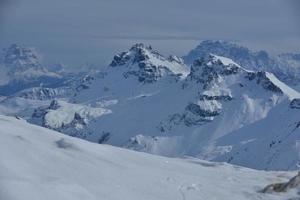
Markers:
148,65
146,102
20,69
37,163
215,109
285,66
231,102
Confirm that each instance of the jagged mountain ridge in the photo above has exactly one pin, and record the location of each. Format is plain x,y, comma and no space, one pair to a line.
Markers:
221,112
148,65
285,66
159,105
150,108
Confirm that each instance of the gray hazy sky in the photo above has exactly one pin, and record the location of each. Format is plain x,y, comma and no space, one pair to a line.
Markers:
79,31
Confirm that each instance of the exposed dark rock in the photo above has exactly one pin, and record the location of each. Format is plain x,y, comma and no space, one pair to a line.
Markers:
218,98
266,82
65,144
262,79
295,104
139,64
207,69
54,105
84,83
120,59
39,112
283,187
78,120
195,115
104,138
197,110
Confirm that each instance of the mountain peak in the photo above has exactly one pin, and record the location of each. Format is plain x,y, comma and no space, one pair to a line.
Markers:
148,64
21,68
20,58
212,66
220,43
140,46
240,54
215,68
137,53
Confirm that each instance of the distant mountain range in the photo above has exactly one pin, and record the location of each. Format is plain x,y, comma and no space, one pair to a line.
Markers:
220,102
285,66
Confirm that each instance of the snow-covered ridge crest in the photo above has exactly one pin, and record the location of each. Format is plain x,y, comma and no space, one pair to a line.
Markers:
207,69
284,66
225,61
149,65
291,93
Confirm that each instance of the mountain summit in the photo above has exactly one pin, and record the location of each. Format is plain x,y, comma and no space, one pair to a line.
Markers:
148,65
20,69
285,66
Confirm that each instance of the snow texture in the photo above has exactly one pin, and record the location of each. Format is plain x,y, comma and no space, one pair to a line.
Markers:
37,163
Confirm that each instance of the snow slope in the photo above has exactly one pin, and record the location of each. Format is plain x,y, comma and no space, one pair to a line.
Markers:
150,103
37,163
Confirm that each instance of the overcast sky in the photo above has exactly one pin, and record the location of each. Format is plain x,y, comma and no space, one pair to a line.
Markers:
79,31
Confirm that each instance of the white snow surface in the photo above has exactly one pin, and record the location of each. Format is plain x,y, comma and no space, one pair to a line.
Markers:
66,111
291,93
37,163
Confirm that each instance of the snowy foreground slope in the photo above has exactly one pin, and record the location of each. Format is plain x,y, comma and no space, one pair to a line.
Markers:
38,163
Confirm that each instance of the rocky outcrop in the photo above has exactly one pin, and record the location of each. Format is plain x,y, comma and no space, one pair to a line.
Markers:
283,187
295,104
146,64
196,114
262,79
207,69
84,83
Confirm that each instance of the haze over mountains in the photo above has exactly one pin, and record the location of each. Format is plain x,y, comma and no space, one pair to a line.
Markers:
149,100
220,102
